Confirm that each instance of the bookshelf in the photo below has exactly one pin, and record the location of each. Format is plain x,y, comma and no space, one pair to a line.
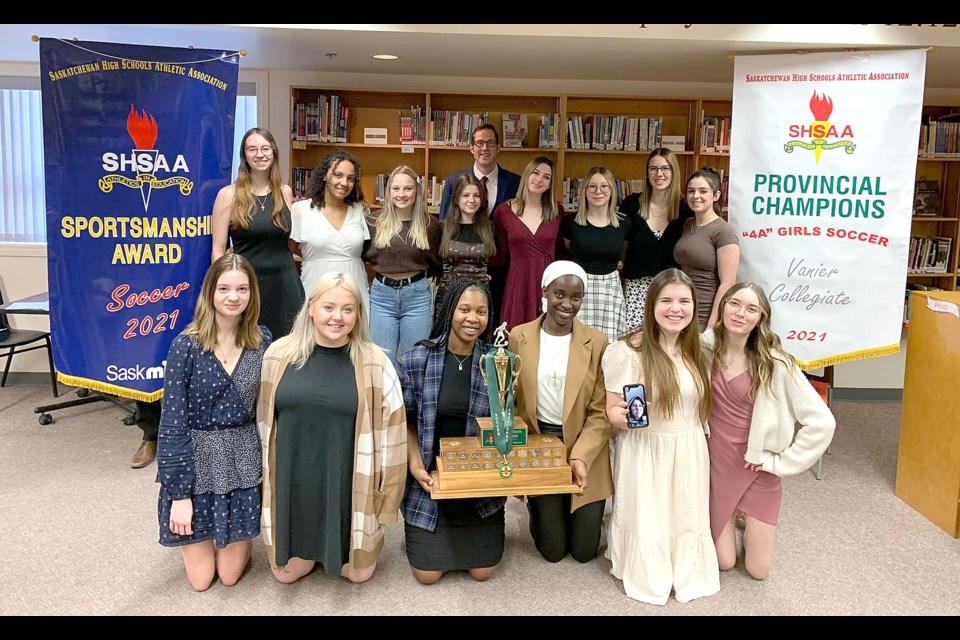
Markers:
939,160
363,109
445,120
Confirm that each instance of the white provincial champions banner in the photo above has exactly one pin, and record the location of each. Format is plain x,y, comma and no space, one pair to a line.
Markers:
822,164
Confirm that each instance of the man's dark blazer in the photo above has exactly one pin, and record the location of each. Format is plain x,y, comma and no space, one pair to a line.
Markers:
507,185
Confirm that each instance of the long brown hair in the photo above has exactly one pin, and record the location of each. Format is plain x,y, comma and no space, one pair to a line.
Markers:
659,372
547,201
240,211
204,324
481,221
674,195
763,349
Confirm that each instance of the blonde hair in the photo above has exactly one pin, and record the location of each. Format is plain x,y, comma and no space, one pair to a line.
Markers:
548,202
659,372
674,194
241,210
388,222
612,214
763,349
300,343
204,325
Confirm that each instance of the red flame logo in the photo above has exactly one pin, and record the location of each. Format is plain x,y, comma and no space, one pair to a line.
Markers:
821,107
142,128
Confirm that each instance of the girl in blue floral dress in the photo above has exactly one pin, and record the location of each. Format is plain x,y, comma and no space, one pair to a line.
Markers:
208,453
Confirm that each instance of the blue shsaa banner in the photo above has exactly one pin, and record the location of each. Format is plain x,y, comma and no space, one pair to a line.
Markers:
137,142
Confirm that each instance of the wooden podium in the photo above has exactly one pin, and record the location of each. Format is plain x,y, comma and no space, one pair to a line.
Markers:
468,468
928,464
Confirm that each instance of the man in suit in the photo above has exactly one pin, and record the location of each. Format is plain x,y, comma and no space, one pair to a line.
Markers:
501,184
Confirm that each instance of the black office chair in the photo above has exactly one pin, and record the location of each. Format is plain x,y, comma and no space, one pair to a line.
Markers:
13,339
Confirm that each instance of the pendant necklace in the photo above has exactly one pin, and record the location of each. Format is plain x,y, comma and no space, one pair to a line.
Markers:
262,203
225,358
555,382
459,361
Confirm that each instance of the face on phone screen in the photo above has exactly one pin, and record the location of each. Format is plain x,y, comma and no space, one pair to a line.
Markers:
636,406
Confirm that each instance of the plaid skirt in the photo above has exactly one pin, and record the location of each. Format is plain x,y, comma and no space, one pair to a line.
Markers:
603,307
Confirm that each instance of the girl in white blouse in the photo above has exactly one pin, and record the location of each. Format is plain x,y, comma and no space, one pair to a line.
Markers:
330,228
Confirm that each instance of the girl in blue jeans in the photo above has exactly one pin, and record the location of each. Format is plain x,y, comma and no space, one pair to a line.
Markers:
403,253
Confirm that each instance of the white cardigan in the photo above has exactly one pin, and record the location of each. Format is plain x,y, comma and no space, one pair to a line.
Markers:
776,411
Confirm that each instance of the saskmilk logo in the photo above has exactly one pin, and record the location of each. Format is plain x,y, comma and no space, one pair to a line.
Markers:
144,161
138,372
821,130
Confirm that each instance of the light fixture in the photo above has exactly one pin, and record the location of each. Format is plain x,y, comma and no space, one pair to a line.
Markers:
385,56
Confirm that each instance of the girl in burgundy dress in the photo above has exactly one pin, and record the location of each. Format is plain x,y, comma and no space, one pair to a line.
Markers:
528,230
759,394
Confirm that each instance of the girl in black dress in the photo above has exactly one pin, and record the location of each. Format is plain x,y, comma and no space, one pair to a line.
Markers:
253,214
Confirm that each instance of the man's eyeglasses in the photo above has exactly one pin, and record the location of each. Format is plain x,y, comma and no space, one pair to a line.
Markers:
484,143
665,170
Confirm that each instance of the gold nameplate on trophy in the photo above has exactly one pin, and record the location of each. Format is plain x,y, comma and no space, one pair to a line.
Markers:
467,469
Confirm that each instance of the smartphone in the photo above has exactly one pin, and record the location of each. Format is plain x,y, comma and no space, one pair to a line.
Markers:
636,399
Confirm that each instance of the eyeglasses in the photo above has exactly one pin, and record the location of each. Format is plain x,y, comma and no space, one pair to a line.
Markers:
665,170
749,309
484,143
267,151
598,188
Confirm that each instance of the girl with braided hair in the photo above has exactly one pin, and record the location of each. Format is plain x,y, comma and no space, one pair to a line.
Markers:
445,393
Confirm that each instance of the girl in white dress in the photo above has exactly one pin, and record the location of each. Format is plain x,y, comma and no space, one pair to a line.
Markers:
330,227
659,536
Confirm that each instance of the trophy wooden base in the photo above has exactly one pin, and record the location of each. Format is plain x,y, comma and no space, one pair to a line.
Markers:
467,469
494,489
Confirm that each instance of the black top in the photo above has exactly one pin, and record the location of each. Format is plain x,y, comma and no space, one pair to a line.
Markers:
453,401
596,249
468,233
316,428
265,246
646,255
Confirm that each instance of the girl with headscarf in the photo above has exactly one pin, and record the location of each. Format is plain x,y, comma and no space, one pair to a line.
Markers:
561,392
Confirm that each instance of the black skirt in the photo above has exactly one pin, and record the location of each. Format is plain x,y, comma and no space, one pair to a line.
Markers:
462,539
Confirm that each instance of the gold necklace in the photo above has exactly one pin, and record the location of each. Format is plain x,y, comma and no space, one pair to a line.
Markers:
726,363
225,358
262,203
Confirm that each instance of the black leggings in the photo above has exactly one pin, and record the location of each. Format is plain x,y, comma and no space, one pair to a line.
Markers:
556,531
148,418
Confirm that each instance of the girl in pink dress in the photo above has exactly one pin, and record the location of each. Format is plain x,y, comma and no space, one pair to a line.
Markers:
759,394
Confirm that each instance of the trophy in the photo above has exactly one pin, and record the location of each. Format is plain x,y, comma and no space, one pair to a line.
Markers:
502,459
501,369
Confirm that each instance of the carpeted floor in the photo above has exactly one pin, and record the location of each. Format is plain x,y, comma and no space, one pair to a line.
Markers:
79,537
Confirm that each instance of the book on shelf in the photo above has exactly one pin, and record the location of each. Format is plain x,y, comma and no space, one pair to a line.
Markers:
674,143
929,255
515,130
927,201
413,127
454,128
547,135
940,137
